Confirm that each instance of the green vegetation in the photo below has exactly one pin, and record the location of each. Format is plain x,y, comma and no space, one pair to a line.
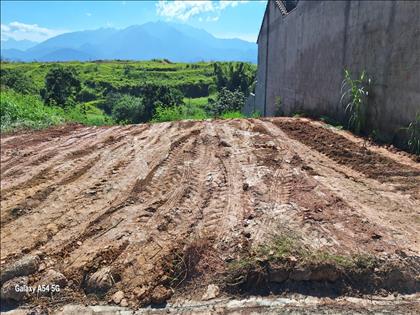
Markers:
278,107
106,92
226,101
354,96
182,112
61,86
414,135
232,115
288,253
19,111
235,77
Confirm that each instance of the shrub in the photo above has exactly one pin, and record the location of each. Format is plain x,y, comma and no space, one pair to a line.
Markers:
18,81
86,95
227,101
19,111
129,109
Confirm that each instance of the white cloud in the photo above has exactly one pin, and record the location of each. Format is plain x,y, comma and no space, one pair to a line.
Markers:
212,19
21,31
183,10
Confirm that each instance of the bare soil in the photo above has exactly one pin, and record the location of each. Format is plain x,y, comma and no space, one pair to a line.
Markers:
161,211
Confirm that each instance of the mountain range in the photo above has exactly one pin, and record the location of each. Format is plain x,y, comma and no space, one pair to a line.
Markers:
176,42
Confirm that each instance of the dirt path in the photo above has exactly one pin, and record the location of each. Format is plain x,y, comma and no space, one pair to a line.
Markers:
124,203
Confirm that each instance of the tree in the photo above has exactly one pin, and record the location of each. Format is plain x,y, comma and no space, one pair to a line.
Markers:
159,95
234,76
227,101
129,109
150,96
61,86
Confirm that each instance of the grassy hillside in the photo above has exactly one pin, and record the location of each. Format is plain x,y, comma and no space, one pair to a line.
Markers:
194,80
137,91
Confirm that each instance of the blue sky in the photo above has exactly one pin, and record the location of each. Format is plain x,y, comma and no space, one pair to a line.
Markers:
39,20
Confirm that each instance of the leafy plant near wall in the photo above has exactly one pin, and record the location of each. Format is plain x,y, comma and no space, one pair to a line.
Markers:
414,135
278,106
354,97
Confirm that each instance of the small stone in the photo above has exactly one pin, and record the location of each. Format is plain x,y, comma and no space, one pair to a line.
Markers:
223,143
100,281
79,243
211,293
376,236
245,186
9,289
23,267
42,267
139,292
117,297
160,294
124,303
54,277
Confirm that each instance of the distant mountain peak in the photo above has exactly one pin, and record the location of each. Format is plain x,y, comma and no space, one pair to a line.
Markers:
157,39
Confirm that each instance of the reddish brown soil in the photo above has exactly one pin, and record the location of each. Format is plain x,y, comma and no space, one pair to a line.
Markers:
182,199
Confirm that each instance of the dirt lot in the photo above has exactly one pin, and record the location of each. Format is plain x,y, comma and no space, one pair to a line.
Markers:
162,211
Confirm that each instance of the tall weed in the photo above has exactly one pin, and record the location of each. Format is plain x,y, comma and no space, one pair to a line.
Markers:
354,98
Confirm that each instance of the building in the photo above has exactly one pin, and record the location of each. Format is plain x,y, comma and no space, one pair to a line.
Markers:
304,47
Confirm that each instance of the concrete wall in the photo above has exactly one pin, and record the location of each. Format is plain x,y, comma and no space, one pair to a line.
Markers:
302,57
249,107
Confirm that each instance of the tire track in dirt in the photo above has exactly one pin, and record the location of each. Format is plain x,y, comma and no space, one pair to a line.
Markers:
154,194
95,190
33,202
348,153
101,222
321,210
169,169
47,173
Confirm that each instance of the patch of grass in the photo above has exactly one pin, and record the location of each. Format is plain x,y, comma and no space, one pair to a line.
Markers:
299,114
331,122
288,253
256,114
198,101
182,112
232,115
20,112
